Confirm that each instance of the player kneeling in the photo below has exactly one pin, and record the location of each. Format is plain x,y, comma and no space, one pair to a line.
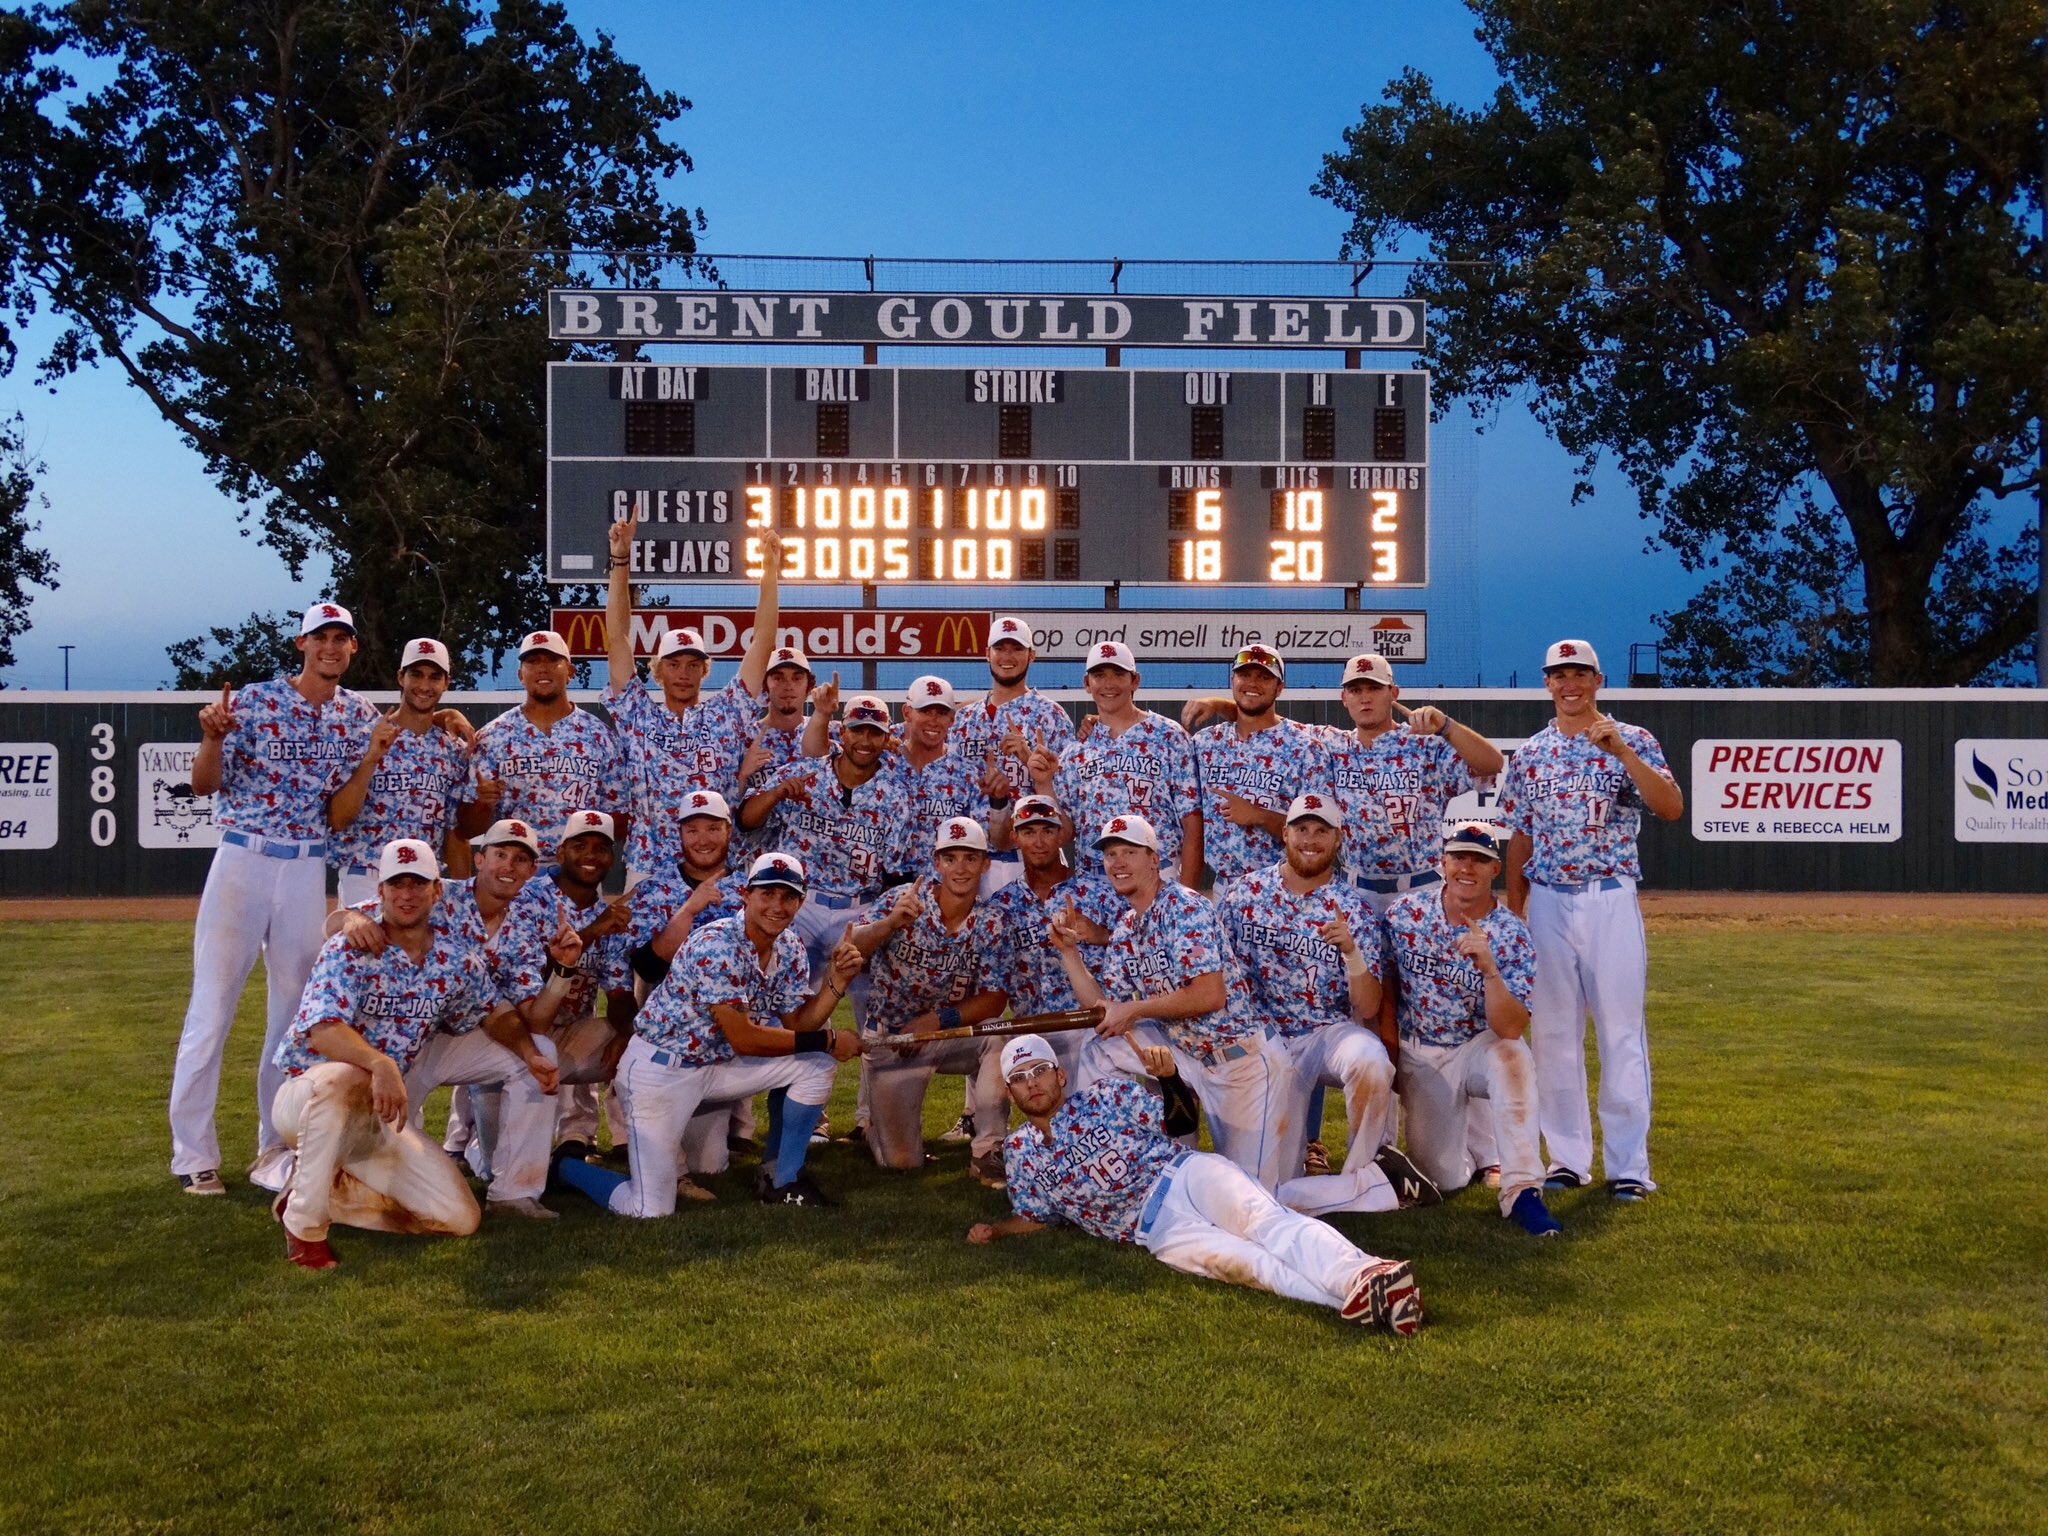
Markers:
362,1024
1466,968
1104,1159
699,1042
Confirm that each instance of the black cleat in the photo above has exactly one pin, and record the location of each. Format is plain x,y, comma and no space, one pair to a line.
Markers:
800,1190
1564,1178
1411,1185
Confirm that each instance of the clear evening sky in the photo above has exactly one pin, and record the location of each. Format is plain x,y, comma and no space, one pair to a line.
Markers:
1133,130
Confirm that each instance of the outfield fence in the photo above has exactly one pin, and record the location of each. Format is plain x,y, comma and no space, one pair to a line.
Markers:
1787,790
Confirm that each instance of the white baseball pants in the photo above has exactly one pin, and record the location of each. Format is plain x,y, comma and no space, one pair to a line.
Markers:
355,1169
251,905
661,1096
1439,1084
896,1090
1591,955
524,1128
1347,1056
1214,1221
353,890
1248,1100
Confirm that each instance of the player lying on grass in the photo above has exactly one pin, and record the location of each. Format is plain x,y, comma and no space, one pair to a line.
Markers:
1105,1160
1466,969
364,1021
705,1037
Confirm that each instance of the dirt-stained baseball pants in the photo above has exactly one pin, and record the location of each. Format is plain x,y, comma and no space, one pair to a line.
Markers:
355,1169
1246,1098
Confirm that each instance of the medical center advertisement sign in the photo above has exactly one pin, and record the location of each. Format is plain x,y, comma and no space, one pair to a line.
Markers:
2001,791
1796,791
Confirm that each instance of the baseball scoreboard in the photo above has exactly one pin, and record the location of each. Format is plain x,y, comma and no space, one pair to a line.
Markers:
991,474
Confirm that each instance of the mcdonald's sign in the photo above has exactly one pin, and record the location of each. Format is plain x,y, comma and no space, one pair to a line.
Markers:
824,634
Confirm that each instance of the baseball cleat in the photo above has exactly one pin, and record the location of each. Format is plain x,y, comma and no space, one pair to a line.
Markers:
1489,1176
989,1170
314,1255
821,1134
203,1183
1628,1191
857,1137
1317,1161
960,1130
800,1190
1564,1178
1532,1216
525,1207
1385,1296
1411,1185
689,1189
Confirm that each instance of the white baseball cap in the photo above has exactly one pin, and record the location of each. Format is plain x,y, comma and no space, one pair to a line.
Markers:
960,832
1263,657
1009,627
407,856
1111,653
783,869
1035,808
1480,837
929,693
1371,667
1315,806
509,829
704,802
581,822
1571,653
320,615
790,656
544,640
866,709
1026,1051
424,649
1129,829
687,641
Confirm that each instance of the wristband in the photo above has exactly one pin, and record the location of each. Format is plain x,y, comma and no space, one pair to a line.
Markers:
808,1040
998,805
1360,969
556,968
949,1017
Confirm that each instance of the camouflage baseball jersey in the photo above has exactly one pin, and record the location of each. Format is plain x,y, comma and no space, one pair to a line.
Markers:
948,785
392,1002
1268,768
978,729
1161,950
1294,977
1095,1166
783,748
1037,982
286,757
669,754
535,916
1577,804
1443,995
424,776
577,766
719,964
1150,769
848,839
922,966
660,896
1392,791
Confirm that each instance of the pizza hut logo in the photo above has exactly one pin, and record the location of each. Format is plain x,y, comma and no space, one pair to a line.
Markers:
934,689
408,855
1567,650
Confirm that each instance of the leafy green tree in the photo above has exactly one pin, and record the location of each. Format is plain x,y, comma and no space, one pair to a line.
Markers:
1775,260
317,235
21,566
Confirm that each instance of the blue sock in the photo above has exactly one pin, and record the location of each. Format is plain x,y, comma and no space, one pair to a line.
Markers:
596,1182
1315,1113
776,1098
798,1121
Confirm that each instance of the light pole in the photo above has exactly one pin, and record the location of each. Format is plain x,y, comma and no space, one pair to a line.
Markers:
67,650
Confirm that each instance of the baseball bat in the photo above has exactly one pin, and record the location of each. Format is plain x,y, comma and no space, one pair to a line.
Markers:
1029,1024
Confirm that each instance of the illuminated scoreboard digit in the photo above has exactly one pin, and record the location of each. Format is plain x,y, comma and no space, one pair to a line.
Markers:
946,474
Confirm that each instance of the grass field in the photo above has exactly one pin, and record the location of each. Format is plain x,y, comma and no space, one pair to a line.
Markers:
1834,1317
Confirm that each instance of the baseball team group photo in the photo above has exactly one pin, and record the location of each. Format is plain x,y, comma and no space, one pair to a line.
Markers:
964,893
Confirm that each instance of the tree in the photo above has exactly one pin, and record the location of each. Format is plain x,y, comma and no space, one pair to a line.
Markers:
1775,260
21,566
317,236
258,648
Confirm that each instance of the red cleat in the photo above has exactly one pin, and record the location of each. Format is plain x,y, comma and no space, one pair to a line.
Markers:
314,1255
1385,1296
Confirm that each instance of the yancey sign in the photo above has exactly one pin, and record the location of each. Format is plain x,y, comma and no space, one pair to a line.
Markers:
1796,791
2001,792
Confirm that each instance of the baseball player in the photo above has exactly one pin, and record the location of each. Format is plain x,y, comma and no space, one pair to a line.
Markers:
945,782
1308,946
1133,763
1466,968
682,741
778,742
1011,720
549,757
1574,799
557,999
273,755
705,1037
935,961
1036,979
362,1023
1167,979
1105,1159
410,781
1252,767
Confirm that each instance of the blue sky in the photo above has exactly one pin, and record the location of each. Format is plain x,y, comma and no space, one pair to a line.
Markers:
1134,130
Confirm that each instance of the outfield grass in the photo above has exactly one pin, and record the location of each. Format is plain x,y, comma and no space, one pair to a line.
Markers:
1834,1317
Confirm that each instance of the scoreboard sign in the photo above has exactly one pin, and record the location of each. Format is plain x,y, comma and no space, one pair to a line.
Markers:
991,474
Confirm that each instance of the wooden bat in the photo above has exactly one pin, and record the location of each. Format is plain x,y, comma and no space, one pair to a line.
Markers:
1030,1024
